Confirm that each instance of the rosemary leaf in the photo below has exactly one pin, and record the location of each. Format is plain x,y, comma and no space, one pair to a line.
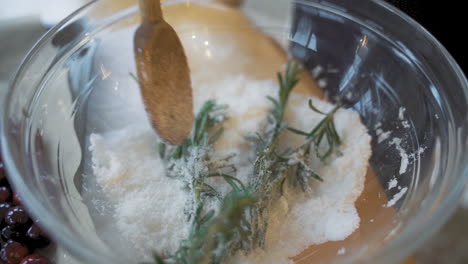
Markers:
324,129
134,77
270,169
162,150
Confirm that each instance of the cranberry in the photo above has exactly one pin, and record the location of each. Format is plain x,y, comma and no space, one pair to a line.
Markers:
9,233
35,259
16,216
17,199
19,236
5,194
4,207
12,252
2,172
3,175
35,232
37,238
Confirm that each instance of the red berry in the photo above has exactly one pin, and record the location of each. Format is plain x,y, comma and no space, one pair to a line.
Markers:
3,179
16,216
12,252
9,233
35,259
5,194
4,207
2,172
17,199
35,232
36,237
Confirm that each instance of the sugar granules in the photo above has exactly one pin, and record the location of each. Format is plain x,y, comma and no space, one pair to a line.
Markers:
149,206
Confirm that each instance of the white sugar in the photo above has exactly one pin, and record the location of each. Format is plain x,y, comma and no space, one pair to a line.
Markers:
316,71
405,124
381,134
404,162
149,206
401,116
341,251
128,169
397,197
401,113
329,214
392,183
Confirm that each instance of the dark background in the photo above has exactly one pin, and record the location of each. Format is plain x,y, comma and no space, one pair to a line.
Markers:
446,20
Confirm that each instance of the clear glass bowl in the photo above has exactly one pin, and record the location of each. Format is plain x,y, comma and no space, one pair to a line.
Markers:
370,56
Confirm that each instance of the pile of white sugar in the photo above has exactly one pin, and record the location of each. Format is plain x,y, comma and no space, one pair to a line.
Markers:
149,206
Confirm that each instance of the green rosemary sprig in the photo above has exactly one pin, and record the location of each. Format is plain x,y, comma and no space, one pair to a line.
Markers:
134,77
192,161
286,82
325,129
209,116
213,238
242,218
270,168
301,156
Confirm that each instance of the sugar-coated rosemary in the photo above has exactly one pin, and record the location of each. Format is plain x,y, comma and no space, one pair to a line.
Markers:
241,221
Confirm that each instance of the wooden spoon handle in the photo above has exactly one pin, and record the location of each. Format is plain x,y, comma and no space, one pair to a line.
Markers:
150,10
234,3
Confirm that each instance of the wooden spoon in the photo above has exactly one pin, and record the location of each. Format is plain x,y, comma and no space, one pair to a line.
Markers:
163,74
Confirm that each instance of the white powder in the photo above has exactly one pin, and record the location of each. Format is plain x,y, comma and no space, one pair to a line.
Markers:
405,124
392,183
128,169
149,206
328,214
341,251
381,134
401,112
403,155
322,83
316,71
401,116
396,197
